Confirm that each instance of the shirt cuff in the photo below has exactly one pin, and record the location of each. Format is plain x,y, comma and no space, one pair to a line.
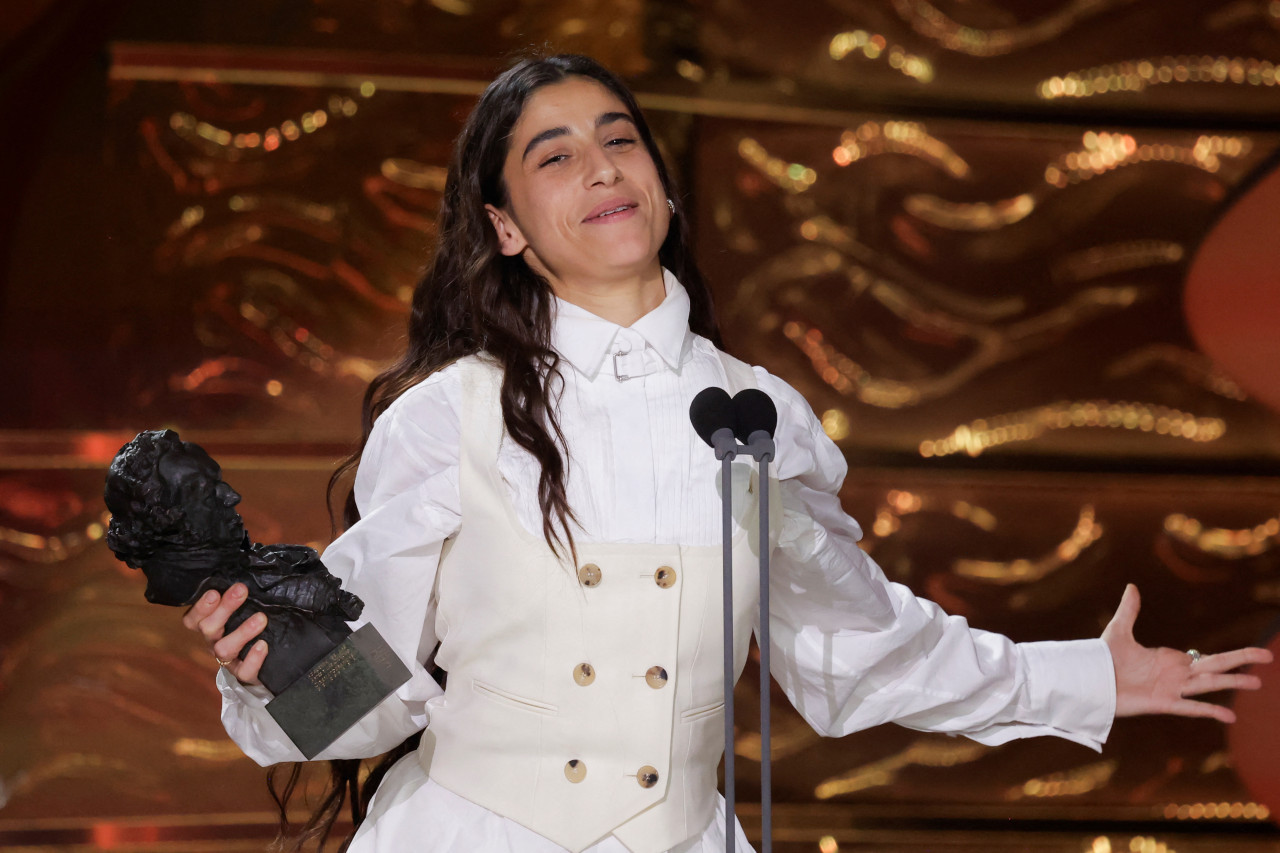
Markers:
250,725
249,695
1071,693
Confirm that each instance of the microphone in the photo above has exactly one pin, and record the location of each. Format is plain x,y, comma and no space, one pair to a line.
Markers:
753,412
755,418
722,421
712,415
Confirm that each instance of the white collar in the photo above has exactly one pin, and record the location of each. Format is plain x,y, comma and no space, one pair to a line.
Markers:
584,339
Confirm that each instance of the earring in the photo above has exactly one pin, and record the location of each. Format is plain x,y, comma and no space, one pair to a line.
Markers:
672,205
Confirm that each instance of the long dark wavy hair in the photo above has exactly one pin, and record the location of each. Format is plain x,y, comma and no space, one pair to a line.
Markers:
474,299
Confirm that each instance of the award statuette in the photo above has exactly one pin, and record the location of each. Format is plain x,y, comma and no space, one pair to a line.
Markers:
173,517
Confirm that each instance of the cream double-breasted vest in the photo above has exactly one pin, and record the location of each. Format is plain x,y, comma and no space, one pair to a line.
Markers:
583,700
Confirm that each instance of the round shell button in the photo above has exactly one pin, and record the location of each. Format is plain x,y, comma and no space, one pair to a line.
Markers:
584,674
647,776
665,577
590,575
575,771
656,677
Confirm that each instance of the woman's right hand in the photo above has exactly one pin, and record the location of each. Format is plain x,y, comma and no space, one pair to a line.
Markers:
209,615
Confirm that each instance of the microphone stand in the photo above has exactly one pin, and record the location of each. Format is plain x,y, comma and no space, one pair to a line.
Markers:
759,446
726,447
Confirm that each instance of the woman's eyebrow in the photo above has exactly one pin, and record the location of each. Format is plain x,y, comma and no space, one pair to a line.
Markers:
553,132
549,133
610,118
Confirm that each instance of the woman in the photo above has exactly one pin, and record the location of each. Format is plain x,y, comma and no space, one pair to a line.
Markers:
532,500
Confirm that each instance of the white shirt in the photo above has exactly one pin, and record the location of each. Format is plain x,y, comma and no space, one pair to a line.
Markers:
850,649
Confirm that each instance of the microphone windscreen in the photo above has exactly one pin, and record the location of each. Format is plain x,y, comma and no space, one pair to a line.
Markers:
711,410
753,411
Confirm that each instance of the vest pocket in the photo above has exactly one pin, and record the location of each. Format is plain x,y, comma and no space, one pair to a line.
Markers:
502,697
694,714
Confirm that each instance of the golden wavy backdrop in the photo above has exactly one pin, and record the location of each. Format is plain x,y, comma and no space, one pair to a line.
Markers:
960,228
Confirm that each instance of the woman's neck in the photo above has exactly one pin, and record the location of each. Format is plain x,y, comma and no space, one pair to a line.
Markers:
622,302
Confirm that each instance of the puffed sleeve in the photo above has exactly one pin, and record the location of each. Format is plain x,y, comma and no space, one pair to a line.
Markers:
853,650
407,491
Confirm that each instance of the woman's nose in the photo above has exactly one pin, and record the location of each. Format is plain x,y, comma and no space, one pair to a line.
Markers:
601,168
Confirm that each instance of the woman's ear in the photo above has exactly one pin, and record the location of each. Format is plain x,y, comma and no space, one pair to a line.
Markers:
510,241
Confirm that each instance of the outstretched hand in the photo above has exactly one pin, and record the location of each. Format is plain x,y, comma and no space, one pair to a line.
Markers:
1159,681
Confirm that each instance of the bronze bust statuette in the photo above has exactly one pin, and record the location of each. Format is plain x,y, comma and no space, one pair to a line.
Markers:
174,517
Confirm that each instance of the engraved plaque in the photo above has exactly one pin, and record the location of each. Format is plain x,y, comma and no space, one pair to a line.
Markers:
335,693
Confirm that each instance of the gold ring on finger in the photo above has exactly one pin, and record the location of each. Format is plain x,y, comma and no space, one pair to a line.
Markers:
222,662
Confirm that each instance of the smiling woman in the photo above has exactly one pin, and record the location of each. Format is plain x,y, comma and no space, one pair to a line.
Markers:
533,515
585,205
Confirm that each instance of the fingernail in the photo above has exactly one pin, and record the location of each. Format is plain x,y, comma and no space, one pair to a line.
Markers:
260,646
239,590
211,596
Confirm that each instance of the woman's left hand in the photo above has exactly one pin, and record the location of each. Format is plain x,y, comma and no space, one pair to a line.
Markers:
1158,681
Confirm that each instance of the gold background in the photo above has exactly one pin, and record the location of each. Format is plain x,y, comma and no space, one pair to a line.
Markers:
960,228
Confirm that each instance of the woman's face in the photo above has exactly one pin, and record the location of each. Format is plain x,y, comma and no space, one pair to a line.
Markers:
584,201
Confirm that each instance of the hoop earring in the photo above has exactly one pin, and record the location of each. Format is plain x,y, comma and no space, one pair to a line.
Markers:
672,205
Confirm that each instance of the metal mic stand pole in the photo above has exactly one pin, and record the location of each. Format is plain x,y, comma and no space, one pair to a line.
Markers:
726,502
761,446
766,750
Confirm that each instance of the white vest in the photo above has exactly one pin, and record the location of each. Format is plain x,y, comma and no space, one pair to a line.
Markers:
583,700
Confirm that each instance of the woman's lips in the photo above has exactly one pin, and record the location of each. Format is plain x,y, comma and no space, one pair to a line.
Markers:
612,210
